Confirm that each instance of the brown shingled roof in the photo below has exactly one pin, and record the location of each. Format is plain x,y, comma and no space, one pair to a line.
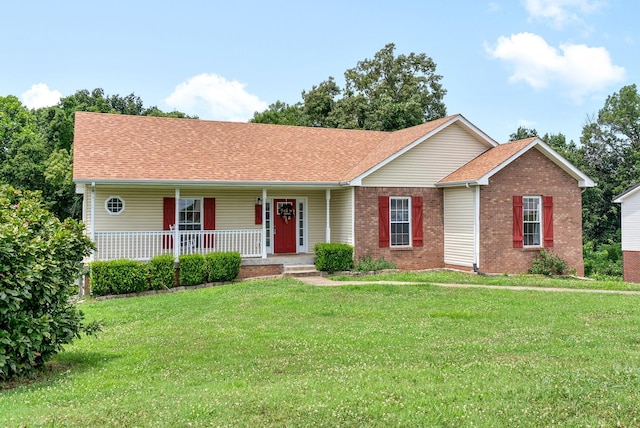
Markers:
486,162
112,147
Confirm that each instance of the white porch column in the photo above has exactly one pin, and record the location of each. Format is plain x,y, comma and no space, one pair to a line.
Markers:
327,197
176,228
264,223
92,229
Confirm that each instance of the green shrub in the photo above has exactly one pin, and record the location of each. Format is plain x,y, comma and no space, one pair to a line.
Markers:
548,263
223,266
40,258
162,271
369,264
333,257
603,263
193,270
118,277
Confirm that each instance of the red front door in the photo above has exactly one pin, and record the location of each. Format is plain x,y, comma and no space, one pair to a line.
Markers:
284,222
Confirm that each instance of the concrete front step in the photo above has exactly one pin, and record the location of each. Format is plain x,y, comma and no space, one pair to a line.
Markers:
300,270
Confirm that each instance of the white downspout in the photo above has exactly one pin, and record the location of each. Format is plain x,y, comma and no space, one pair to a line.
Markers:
476,225
176,228
264,223
92,230
327,197
353,217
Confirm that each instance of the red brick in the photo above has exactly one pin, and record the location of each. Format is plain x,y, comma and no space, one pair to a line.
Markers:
429,256
631,266
530,174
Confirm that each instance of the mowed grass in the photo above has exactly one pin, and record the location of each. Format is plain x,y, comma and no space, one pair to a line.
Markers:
282,353
454,277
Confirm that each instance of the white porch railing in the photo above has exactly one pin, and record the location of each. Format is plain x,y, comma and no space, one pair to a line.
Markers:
146,245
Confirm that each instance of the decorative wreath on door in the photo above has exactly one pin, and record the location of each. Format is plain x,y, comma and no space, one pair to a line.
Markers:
286,211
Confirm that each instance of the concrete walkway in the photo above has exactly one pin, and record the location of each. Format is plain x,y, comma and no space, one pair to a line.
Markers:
323,281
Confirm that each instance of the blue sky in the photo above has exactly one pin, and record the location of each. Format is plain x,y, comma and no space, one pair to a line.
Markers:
544,64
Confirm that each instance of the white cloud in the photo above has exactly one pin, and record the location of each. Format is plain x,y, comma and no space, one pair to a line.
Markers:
213,97
579,69
39,95
562,12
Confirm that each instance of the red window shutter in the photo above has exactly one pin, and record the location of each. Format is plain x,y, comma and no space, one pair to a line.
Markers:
547,214
168,220
209,220
416,221
518,237
258,214
383,221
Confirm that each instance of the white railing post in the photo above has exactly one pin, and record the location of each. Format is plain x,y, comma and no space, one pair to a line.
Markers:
176,228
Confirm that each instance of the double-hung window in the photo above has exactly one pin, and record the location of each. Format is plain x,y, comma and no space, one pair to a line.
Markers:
190,214
400,221
532,224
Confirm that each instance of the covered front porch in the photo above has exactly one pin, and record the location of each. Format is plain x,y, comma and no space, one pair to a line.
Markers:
141,222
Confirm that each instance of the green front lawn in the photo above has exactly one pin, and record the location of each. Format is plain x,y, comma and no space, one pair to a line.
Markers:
282,353
452,277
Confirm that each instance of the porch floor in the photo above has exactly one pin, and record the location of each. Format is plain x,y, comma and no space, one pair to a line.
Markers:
280,259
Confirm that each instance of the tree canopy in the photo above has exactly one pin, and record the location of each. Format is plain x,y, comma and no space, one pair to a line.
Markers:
36,145
611,144
385,93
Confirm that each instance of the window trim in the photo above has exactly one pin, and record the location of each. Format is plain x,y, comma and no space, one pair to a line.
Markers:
177,222
540,221
409,222
106,205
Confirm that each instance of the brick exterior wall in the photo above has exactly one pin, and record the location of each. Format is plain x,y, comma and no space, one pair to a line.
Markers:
252,271
631,266
531,174
429,256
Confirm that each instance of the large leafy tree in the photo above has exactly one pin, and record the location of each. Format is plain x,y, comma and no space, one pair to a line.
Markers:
36,146
611,143
385,93
22,150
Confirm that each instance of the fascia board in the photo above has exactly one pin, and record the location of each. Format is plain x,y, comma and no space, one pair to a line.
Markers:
174,183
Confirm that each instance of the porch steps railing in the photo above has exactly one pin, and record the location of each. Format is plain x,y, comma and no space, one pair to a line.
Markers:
148,244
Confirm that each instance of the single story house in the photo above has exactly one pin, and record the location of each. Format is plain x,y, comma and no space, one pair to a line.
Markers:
440,194
630,222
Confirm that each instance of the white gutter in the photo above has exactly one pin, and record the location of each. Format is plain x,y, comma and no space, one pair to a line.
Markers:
191,183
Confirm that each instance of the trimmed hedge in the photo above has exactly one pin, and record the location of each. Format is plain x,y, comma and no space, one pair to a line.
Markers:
129,276
162,271
118,277
333,257
193,270
223,266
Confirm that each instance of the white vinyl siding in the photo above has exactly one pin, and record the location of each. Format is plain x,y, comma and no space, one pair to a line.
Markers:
234,209
458,227
631,223
429,161
342,216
